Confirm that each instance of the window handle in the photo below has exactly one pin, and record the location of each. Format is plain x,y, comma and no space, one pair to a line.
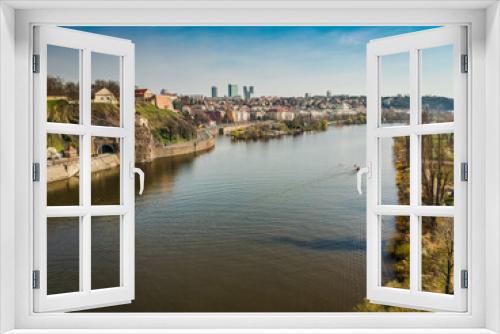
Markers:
364,170
133,171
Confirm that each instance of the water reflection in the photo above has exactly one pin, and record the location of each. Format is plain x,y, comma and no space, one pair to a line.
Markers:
322,243
161,173
272,226
65,192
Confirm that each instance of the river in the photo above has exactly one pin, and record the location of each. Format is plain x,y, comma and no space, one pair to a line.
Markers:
262,226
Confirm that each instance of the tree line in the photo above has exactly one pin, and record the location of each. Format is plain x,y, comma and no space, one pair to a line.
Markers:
59,87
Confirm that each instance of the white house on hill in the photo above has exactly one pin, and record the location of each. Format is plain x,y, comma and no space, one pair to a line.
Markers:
104,95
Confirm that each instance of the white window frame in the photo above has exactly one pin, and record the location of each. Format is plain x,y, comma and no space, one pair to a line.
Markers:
85,44
16,21
412,44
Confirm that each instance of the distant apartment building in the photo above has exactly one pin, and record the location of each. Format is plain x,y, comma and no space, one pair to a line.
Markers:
232,90
216,116
344,106
165,101
144,95
196,97
239,115
312,114
281,114
104,95
257,113
214,91
328,93
316,114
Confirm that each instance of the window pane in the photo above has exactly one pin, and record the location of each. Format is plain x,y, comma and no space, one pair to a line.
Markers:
105,171
63,248
63,168
395,170
105,90
394,88
436,84
63,78
437,169
105,252
395,251
437,254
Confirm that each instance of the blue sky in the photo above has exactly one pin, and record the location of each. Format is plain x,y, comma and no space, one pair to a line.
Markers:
283,61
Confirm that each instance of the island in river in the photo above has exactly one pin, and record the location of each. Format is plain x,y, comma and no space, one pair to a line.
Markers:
267,130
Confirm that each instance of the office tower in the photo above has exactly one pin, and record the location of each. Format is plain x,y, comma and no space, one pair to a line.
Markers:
247,92
328,93
232,90
214,91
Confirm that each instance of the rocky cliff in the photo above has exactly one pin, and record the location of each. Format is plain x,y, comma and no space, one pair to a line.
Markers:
148,148
158,132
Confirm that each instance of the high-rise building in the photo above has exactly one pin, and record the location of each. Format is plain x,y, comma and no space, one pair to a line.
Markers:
214,91
247,92
251,90
328,93
306,95
232,90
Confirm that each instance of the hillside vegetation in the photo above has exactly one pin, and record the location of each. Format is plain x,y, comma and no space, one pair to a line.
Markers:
61,111
166,126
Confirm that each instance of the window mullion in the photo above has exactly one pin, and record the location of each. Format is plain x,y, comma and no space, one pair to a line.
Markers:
85,175
414,172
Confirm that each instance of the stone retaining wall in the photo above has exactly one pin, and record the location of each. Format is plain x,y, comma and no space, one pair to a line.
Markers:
62,169
191,147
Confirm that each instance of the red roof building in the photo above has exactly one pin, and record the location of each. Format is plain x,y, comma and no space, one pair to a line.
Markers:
143,95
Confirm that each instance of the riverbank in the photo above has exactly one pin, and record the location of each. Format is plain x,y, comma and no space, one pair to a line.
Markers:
65,168
147,148
204,142
437,243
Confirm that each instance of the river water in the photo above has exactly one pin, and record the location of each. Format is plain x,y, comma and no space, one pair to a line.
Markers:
253,226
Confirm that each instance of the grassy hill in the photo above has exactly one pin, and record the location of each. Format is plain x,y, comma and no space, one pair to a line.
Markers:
61,111
166,126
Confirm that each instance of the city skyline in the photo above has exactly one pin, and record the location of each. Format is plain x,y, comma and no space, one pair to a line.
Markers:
278,61
247,93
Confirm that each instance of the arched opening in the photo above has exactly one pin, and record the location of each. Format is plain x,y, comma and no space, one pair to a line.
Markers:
105,148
